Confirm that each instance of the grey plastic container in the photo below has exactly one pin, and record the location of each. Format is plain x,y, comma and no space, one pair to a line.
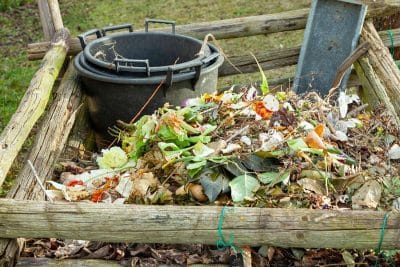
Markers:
332,32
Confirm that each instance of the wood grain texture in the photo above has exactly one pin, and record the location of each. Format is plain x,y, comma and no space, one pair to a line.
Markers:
379,74
55,14
48,145
240,27
193,224
32,105
46,19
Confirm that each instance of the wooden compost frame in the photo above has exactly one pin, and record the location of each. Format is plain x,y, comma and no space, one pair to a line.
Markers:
25,213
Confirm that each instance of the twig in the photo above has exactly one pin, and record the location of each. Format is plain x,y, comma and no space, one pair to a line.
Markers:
179,164
356,54
38,181
141,109
242,130
222,51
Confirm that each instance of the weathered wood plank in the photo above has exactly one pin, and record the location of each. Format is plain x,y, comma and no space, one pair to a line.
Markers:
55,14
278,58
48,144
33,103
222,29
379,74
46,20
241,27
272,59
188,224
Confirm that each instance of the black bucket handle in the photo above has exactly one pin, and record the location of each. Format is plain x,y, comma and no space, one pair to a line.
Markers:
117,27
128,63
147,21
82,37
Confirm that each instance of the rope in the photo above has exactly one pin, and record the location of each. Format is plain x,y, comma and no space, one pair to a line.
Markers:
222,243
378,249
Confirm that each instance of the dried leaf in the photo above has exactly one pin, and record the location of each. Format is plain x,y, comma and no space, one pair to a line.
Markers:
312,185
368,195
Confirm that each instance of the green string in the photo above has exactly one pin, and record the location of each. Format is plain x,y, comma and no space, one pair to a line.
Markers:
378,249
391,42
222,243
392,45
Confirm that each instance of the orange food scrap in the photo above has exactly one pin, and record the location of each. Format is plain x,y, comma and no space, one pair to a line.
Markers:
313,140
74,182
99,193
260,108
320,129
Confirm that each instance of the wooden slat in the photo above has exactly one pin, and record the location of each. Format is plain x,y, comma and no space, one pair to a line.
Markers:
241,27
55,14
46,19
33,104
47,147
379,74
188,224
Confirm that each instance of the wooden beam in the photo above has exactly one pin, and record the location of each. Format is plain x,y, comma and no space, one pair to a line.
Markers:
303,228
33,104
378,8
47,147
379,74
222,29
278,58
55,14
240,27
46,19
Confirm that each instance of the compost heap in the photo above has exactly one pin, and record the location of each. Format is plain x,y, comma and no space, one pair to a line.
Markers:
247,149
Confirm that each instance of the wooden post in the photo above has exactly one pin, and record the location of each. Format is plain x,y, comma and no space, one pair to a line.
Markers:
379,74
33,103
55,15
46,20
305,228
48,145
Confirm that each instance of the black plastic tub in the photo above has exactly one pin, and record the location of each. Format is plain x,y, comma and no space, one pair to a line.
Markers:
210,59
120,98
149,53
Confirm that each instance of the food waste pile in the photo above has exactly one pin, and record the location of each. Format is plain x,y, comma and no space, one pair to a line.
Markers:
244,148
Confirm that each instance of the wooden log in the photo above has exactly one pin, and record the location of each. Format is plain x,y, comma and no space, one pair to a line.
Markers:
198,224
222,29
378,73
278,58
273,59
47,147
46,20
33,103
239,27
55,15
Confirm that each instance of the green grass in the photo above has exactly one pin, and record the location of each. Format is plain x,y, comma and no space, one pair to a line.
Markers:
21,25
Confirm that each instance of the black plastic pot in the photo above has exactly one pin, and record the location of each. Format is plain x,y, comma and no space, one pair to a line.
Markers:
120,98
121,95
149,53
